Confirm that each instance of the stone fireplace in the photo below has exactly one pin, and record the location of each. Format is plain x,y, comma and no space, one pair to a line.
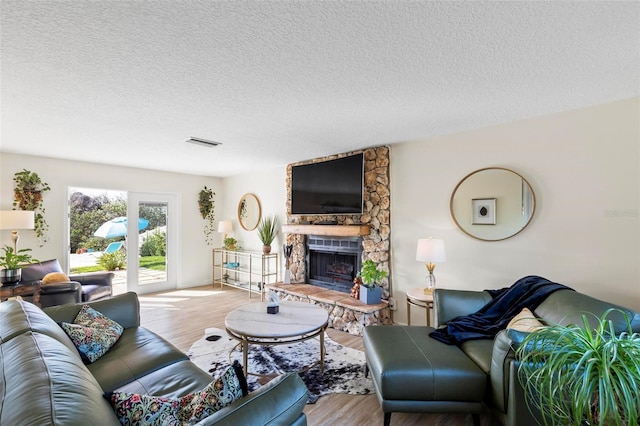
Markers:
333,262
372,227
328,250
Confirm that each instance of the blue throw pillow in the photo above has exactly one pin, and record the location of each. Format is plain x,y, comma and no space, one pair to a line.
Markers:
92,333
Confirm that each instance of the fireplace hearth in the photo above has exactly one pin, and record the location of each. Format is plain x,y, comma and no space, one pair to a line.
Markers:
333,262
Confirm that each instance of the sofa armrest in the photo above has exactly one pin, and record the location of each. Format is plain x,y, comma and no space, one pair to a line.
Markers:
94,278
454,303
123,309
279,402
502,356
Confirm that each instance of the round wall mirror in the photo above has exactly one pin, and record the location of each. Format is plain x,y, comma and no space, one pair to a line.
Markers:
249,212
492,204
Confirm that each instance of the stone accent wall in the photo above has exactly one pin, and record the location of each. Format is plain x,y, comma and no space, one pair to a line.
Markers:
376,214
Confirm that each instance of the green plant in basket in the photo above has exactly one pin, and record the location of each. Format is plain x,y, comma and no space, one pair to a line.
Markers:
579,375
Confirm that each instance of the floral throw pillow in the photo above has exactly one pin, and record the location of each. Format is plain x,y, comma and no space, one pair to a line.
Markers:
92,333
137,410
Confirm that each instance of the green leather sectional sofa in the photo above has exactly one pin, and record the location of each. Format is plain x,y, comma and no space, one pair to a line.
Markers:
412,372
43,380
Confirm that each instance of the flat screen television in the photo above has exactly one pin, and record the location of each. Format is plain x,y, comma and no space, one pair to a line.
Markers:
328,187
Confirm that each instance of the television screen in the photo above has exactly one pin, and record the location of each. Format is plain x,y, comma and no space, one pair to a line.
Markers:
328,187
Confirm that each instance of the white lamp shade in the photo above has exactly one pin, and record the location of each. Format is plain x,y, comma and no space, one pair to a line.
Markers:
17,219
430,250
225,227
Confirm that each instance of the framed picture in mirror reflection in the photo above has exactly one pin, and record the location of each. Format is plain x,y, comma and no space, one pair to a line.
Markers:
484,211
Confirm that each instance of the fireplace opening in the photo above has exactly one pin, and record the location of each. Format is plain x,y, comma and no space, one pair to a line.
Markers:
333,262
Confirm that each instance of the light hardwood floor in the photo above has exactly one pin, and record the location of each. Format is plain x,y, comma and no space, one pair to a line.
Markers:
181,317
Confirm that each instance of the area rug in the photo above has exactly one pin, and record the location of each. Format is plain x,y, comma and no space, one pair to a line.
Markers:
343,367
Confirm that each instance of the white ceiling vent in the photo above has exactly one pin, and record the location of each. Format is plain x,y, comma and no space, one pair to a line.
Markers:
203,142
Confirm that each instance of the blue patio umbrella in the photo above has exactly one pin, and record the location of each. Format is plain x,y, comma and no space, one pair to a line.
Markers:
117,227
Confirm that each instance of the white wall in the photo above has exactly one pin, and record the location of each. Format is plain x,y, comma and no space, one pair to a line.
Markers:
195,256
270,188
584,167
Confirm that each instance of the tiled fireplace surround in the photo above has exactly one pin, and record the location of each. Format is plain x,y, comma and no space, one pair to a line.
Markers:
373,227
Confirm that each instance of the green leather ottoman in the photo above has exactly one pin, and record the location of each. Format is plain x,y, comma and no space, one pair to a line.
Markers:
414,373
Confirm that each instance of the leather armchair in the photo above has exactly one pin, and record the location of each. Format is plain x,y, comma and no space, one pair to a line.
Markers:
79,288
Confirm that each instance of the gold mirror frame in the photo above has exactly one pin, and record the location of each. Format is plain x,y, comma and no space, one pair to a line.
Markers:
249,212
506,212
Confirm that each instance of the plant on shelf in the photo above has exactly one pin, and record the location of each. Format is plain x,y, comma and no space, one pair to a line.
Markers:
230,243
267,232
27,194
372,276
579,375
11,262
206,205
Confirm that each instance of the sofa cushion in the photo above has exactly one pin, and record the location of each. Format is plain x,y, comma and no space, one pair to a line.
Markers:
408,365
480,352
55,277
92,333
137,353
92,292
136,409
525,321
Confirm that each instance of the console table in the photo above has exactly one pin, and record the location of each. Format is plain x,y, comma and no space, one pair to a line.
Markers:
32,289
245,270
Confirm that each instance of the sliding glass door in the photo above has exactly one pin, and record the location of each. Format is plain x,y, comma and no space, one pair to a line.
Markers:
152,243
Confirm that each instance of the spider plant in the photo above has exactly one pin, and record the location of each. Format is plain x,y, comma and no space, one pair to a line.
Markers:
576,375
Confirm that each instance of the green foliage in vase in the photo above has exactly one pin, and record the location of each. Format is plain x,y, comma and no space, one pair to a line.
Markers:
27,192
14,259
577,375
230,243
370,274
206,205
268,230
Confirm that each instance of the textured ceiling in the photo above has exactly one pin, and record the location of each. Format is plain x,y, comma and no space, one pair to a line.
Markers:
127,82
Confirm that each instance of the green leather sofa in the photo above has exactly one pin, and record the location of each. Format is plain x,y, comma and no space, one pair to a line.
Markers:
413,372
43,380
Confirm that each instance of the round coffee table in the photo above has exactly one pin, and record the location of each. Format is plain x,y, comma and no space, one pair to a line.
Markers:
295,322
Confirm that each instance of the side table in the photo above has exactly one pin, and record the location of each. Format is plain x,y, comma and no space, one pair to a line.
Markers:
32,289
417,297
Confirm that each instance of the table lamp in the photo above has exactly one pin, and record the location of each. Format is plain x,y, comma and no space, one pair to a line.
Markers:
430,250
14,220
225,227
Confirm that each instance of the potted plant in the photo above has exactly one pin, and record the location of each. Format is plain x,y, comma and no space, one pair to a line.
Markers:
267,232
11,261
206,206
230,243
28,196
579,375
371,275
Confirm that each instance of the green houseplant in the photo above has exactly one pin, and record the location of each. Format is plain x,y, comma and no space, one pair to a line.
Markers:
10,263
206,206
27,192
371,275
579,375
267,232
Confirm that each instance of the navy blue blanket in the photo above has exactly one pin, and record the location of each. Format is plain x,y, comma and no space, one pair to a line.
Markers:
527,292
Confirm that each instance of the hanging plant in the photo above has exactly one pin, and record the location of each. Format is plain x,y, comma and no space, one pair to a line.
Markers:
206,204
27,194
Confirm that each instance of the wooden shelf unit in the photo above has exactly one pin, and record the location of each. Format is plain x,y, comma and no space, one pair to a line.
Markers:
252,272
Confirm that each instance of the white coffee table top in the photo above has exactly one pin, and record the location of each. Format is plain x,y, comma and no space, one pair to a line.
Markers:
293,319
